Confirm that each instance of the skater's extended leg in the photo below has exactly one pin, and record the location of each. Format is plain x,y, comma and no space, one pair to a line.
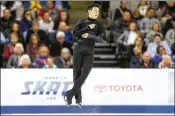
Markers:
77,66
87,66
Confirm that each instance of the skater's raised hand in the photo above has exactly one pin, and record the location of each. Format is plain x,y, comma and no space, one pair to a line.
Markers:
92,26
85,35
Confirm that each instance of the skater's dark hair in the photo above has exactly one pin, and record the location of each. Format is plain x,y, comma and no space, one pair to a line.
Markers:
90,7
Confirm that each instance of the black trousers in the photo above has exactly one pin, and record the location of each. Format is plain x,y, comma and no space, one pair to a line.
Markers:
82,65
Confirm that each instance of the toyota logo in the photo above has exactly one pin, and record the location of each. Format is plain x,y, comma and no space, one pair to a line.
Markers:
101,88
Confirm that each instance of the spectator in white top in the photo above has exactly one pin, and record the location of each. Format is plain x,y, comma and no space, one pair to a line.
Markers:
128,37
46,23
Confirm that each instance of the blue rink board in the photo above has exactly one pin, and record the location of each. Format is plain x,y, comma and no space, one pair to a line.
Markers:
88,109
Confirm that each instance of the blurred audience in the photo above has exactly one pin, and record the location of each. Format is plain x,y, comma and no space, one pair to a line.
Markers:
55,49
152,47
33,46
146,61
65,60
25,62
14,60
50,63
41,59
166,62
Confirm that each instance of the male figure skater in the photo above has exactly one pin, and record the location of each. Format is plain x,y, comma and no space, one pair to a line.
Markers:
86,32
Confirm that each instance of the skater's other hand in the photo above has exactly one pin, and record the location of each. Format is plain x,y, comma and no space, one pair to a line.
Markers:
85,35
92,26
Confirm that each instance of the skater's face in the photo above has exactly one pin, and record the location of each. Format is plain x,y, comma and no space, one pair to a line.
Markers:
93,13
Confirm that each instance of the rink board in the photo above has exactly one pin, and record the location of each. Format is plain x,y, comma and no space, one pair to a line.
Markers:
112,91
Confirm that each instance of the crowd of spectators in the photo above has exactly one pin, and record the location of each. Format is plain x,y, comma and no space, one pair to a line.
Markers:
145,38
37,34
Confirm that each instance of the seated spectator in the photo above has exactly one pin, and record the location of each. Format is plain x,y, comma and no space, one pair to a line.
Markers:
119,11
32,48
136,58
128,37
166,11
44,39
122,24
166,62
63,16
6,23
50,63
147,22
26,22
16,30
46,24
41,60
170,36
25,62
9,49
14,60
146,61
51,9
155,30
141,10
68,35
152,47
56,47
65,60
169,23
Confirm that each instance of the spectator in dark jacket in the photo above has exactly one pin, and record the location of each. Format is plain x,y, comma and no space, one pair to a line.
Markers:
26,22
65,60
136,58
146,61
6,22
56,47
122,24
120,11
44,39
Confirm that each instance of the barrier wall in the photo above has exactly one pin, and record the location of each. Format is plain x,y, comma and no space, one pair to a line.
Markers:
105,91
